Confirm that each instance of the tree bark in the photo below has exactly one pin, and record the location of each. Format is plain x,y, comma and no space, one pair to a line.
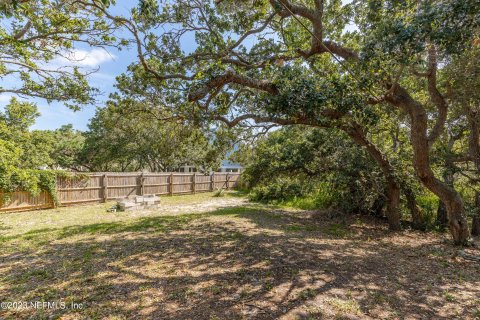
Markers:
418,220
442,216
355,131
421,159
394,214
448,178
474,150
476,217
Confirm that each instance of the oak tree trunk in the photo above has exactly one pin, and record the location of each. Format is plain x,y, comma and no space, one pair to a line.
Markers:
476,225
442,216
418,220
355,131
476,217
393,206
421,159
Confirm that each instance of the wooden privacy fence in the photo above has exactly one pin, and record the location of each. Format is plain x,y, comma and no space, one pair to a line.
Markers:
101,187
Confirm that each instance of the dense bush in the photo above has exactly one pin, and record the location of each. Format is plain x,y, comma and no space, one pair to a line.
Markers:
280,190
302,166
429,204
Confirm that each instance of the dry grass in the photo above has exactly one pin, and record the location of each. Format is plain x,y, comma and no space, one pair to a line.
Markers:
202,257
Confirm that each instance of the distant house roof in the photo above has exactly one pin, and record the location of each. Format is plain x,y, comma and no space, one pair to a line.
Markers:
229,164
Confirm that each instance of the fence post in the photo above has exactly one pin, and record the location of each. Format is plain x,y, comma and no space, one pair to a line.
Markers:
212,181
52,203
194,182
171,184
105,188
141,185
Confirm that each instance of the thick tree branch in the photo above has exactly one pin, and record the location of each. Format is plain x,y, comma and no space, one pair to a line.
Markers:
231,77
295,9
23,31
435,96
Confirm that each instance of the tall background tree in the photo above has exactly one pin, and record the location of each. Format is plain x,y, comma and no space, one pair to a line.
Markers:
38,40
130,136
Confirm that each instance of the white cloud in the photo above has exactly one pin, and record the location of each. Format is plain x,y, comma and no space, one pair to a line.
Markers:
85,58
5,97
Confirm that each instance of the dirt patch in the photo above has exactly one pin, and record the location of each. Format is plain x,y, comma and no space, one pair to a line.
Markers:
209,205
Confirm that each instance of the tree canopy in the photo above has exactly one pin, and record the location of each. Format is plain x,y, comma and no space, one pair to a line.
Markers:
131,136
38,41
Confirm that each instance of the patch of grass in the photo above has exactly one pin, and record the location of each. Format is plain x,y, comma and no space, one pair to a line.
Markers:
345,306
45,226
219,193
308,203
314,313
268,285
337,230
448,296
176,295
193,265
36,274
14,222
476,314
307,294
319,198
245,292
379,297
301,228
445,263
196,198
244,211
215,289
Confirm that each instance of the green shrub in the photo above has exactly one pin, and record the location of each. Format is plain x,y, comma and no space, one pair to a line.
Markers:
429,204
313,168
33,181
278,190
219,193
295,193
320,197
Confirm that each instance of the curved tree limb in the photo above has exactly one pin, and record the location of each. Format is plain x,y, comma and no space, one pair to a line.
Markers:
231,77
436,97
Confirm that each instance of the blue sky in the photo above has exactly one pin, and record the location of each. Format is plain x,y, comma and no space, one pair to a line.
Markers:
110,63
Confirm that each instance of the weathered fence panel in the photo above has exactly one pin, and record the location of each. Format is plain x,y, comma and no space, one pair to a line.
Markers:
156,183
104,186
20,200
72,191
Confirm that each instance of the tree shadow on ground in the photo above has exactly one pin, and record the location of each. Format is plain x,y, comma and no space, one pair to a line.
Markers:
239,263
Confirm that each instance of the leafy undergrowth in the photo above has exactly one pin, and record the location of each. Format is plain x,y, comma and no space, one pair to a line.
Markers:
224,258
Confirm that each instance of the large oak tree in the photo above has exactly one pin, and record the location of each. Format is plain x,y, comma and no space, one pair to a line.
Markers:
316,62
